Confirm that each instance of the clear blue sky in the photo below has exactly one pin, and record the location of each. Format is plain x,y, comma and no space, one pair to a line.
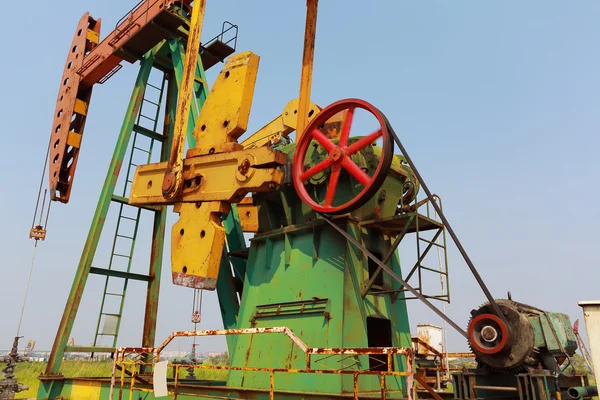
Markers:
497,102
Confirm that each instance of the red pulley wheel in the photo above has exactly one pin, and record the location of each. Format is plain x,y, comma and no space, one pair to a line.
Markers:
339,157
488,334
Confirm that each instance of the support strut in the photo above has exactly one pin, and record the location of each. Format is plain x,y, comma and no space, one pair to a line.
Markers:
438,209
397,277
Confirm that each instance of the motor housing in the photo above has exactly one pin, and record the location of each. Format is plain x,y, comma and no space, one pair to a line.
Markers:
526,337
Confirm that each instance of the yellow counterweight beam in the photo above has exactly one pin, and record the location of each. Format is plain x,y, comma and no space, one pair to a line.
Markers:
216,173
218,177
223,124
197,242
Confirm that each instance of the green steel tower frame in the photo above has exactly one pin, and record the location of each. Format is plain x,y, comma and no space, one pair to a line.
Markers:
172,50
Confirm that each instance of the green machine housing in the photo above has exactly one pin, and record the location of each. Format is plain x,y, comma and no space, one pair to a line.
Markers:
304,275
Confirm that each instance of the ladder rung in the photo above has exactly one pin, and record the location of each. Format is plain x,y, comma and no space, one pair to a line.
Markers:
151,102
129,218
148,133
114,294
152,86
144,150
111,314
125,236
90,349
148,118
133,165
125,200
121,255
119,274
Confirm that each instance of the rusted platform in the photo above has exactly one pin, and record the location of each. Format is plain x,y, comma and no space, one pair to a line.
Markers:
395,225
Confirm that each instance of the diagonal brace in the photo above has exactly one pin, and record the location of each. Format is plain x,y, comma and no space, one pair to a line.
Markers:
424,254
387,257
396,277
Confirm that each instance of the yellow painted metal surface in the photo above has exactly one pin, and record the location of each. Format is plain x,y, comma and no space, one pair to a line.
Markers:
85,390
333,127
93,36
216,173
197,241
81,107
279,127
307,64
248,214
74,139
219,177
173,179
224,115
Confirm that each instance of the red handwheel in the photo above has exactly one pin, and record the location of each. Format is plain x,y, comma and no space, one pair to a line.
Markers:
339,157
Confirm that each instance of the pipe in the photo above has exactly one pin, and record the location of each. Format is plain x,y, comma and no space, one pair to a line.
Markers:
591,314
578,392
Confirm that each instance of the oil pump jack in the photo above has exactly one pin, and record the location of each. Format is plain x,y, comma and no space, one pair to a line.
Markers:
315,307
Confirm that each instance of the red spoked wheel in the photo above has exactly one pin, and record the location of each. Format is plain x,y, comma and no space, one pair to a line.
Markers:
339,157
488,334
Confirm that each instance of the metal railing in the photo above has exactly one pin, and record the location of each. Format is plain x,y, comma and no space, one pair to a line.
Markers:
226,27
131,361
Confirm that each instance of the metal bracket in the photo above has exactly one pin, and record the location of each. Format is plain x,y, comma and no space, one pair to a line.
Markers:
396,276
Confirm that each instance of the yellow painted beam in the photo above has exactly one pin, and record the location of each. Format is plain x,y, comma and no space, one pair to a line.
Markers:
307,65
248,214
197,241
225,113
279,127
173,179
218,177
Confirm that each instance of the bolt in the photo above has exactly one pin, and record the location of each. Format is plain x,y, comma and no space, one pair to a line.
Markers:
168,182
244,167
336,154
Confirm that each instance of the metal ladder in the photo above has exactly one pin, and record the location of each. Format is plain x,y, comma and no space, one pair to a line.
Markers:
125,235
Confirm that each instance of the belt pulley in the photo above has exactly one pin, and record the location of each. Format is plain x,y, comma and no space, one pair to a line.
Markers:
339,158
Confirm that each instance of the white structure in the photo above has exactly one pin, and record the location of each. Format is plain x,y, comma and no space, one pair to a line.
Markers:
432,336
591,313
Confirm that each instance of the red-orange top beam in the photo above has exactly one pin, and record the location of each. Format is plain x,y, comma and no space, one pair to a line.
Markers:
136,34
90,62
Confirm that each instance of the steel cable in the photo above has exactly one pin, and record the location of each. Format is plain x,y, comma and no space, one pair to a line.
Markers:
26,289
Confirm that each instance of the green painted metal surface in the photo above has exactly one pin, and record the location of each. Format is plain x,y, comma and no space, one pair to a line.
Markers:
178,48
123,235
54,387
231,275
300,274
553,332
314,278
91,244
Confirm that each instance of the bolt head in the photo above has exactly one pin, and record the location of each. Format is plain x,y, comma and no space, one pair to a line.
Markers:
336,154
168,182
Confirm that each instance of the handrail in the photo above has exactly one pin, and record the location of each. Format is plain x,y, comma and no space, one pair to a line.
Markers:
221,35
224,332
145,360
283,330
